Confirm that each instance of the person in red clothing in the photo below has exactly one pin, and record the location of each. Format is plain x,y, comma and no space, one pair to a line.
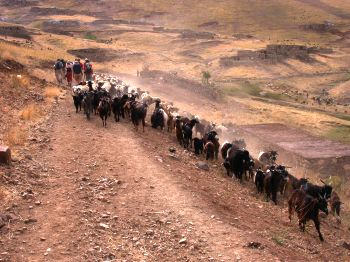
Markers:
88,71
69,73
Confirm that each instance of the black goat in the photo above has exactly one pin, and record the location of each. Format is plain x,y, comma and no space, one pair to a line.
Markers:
259,180
138,113
187,133
87,104
324,191
198,145
77,99
237,162
103,110
272,182
157,118
96,100
117,107
225,147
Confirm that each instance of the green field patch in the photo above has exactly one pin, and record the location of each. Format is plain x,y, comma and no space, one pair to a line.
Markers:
90,36
339,133
247,88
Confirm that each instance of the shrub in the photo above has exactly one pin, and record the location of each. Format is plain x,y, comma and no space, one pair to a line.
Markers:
52,92
205,77
90,36
30,112
15,136
19,81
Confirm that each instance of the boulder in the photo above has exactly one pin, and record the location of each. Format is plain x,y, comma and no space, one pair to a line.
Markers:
203,166
5,155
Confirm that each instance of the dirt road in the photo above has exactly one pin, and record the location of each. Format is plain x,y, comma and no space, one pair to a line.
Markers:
102,194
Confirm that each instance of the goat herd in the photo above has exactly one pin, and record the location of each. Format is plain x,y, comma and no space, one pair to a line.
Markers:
109,94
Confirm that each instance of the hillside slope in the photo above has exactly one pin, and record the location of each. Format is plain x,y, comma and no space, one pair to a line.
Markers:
145,205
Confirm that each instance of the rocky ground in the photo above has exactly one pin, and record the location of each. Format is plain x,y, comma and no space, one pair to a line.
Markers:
85,193
79,192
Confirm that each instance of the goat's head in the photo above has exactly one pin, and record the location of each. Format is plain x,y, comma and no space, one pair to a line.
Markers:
273,155
322,204
193,122
327,191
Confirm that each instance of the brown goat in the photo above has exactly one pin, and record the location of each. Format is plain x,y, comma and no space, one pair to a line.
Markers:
209,149
307,208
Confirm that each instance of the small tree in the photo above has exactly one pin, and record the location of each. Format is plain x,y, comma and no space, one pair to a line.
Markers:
205,77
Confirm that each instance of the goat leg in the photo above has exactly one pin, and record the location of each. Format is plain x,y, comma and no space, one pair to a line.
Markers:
317,225
290,211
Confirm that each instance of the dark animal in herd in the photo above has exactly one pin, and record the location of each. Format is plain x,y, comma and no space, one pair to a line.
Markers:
259,180
198,145
77,99
96,100
272,182
187,133
103,110
306,199
237,162
212,137
324,191
209,150
224,149
117,107
157,118
307,208
138,112
292,183
87,104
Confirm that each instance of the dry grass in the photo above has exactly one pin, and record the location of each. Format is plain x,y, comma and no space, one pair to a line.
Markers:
274,19
25,55
81,18
16,136
19,81
52,92
4,194
30,112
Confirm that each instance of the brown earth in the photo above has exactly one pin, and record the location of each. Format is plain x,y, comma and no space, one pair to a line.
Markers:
79,192
102,55
86,193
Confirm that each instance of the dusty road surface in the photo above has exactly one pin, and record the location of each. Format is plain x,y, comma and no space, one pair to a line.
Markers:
114,194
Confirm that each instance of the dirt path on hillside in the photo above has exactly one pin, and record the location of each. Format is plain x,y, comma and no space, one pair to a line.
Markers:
114,194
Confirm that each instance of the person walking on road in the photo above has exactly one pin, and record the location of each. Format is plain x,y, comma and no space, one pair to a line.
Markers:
88,71
59,71
69,73
77,71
